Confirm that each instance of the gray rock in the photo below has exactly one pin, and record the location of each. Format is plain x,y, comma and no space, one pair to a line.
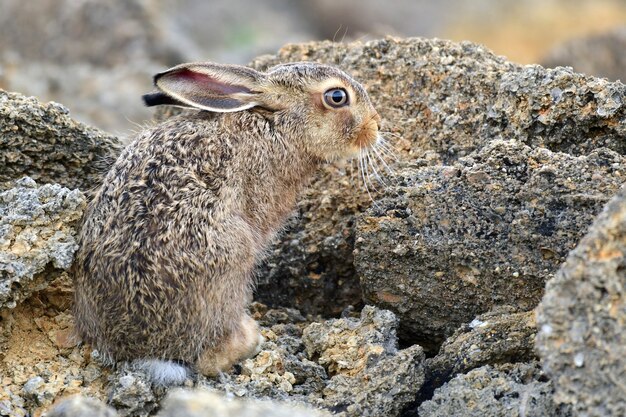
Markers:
370,376
491,338
601,55
42,141
349,366
450,242
132,394
81,406
199,403
439,100
582,319
505,391
37,237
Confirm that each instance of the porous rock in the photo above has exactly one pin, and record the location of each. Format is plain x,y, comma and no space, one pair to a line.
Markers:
496,337
37,237
496,391
582,319
450,242
349,366
439,100
40,140
370,376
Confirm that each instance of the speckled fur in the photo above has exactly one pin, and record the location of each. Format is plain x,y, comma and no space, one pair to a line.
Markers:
170,241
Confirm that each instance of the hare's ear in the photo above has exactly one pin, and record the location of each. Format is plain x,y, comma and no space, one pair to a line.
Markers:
207,86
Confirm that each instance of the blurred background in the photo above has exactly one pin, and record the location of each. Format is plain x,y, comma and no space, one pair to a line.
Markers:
97,56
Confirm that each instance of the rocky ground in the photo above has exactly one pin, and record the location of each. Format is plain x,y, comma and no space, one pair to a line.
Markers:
415,298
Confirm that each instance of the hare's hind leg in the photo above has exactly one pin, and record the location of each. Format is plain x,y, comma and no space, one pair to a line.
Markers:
243,342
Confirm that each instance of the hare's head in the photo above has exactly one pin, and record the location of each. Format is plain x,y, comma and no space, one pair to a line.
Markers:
318,107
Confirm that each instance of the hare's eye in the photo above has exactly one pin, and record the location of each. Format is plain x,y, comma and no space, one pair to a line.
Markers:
336,97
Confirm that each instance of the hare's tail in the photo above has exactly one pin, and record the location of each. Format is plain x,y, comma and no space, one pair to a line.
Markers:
163,372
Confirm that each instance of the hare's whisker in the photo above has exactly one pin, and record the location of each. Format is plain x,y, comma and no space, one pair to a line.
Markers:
362,166
373,165
379,156
385,151
384,144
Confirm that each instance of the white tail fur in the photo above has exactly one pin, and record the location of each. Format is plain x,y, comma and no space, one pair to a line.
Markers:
163,372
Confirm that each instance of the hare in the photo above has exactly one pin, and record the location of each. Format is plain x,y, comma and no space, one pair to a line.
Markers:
165,266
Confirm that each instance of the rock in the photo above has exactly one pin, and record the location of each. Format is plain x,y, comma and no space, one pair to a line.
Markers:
370,376
453,98
450,242
43,142
81,406
582,319
601,55
349,366
509,390
132,393
439,101
199,403
492,338
37,237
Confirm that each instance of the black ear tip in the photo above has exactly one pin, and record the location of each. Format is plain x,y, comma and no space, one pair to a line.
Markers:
152,99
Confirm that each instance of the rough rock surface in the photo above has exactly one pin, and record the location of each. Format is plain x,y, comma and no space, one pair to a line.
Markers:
370,376
37,237
582,319
42,141
349,366
601,55
450,242
439,100
497,337
505,391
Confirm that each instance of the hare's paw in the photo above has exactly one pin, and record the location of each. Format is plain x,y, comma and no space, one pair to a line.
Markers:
244,342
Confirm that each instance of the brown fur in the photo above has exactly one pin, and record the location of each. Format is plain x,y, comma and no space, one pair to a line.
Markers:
169,243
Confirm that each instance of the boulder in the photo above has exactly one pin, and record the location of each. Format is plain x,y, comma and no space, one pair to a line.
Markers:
440,101
447,243
582,319
42,141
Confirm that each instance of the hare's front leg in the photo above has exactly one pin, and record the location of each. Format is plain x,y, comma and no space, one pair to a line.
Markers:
243,342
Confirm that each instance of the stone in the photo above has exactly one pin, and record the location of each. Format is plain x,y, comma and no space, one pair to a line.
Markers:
40,140
37,237
369,375
450,242
582,319
203,403
496,391
495,337
81,406
132,394
439,101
